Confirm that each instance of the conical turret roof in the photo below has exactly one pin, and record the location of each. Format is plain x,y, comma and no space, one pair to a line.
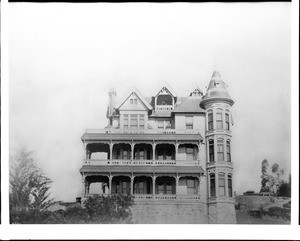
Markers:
216,91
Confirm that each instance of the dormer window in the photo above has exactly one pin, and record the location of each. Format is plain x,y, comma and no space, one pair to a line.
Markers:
164,100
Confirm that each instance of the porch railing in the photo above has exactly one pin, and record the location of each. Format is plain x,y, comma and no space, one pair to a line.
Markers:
156,197
120,162
142,131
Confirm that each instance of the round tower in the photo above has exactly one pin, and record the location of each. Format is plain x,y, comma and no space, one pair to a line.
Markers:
219,168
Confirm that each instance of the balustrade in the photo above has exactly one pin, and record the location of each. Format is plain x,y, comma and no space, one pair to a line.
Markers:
103,162
157,197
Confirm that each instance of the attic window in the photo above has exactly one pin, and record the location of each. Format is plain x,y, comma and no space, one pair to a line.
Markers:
133,101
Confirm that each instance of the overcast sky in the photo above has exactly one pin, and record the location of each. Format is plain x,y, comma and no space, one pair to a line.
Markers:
64,58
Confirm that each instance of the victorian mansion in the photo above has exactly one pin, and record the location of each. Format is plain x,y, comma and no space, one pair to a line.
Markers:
172,154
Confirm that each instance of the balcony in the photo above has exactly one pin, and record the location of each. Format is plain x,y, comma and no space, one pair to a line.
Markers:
119,162
140,131
157,198
164,108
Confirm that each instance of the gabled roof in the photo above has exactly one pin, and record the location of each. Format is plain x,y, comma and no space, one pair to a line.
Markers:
168,87
139,95
190,104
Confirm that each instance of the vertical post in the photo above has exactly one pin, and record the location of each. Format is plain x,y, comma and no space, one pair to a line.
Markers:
83,184
131,184
199,179
226,185
110,177
176,151
223,119
215,150
198,154
153,152
111,145
86,154
132,151
153,183
217,183
88,187
177,184
208,185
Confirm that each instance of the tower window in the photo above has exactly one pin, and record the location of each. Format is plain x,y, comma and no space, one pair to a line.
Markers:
219,121
211,150
189,122
210,121
220,150
221,184
212,185
228,151
229,185
227,121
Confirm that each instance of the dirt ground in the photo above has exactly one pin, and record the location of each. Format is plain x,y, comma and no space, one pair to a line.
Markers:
243,218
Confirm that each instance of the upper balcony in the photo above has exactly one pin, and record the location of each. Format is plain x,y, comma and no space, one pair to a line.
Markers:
122,162
142,131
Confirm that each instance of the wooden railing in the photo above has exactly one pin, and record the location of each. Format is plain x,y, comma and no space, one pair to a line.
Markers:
156,197
120,162
142,131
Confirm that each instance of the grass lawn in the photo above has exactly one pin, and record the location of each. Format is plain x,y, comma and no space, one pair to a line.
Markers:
244,218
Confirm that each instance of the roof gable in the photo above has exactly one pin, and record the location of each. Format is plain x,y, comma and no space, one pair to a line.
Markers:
134,101
166,89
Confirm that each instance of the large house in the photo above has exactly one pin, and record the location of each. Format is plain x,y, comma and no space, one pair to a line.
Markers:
173,154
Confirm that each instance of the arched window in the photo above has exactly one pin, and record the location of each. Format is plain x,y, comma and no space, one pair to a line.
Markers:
226,121
221,184
229,185
228,151
220,150
212,185
211,150
210,120
219,120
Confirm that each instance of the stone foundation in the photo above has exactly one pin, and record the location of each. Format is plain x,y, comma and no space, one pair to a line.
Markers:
221,213
169,213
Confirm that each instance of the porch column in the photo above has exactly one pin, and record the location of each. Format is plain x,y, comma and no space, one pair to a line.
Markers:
83,184
198,156
153,183
131,184
87,187
110,177
132,151
177,184
111,145
176,151
153,151
199,178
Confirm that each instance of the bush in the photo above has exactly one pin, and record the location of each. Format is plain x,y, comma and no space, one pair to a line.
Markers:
97,209
110,209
